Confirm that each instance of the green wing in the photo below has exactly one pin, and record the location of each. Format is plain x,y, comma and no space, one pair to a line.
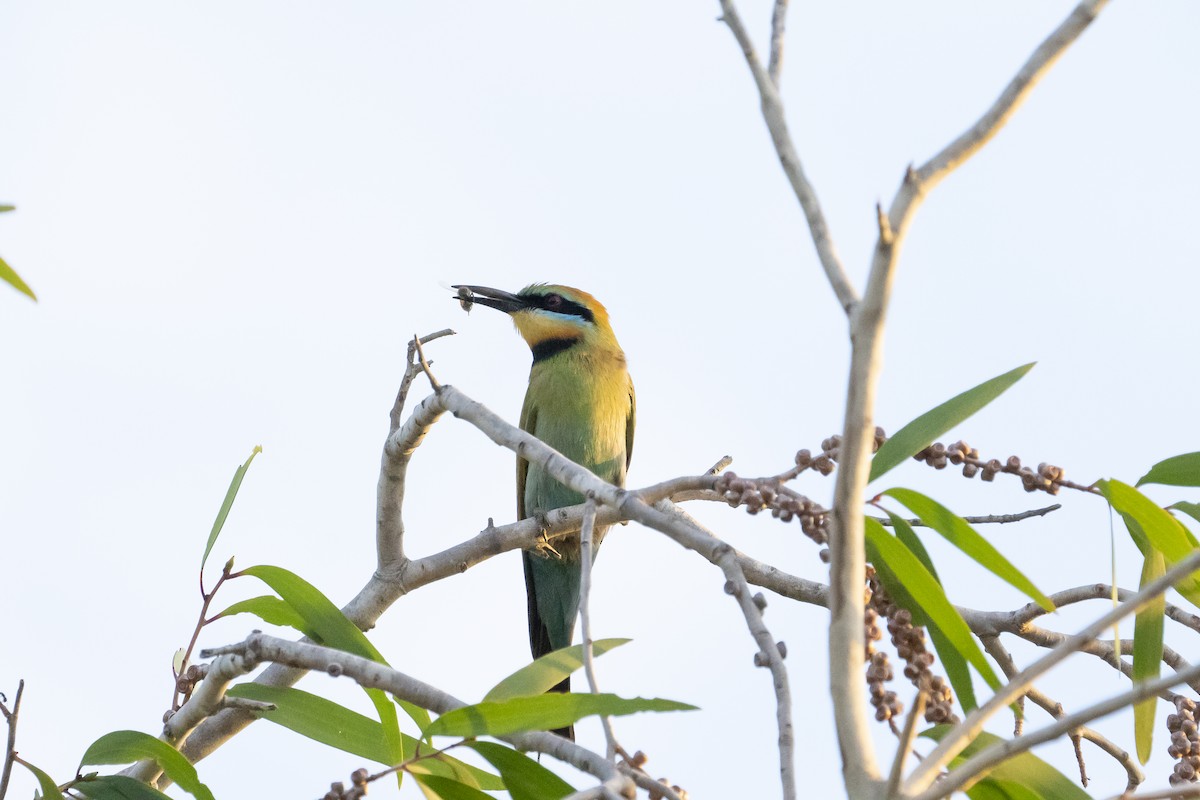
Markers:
529,425
630,424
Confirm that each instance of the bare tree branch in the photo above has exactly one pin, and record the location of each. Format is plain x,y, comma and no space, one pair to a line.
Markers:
308,657
846,537
1161,794
585,622
10,750
1134,775
986,759
666,518
1032,71
772,110
1013,621
906,742
404,575
389,523
778,23
958,738
985,519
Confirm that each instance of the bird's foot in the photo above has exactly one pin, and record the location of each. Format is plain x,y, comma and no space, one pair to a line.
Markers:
543,547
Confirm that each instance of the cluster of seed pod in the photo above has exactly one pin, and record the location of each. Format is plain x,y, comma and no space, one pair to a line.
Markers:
1046,478
823,462
1185,742
186,681
338,791
879,670
784,504
638,761
909,641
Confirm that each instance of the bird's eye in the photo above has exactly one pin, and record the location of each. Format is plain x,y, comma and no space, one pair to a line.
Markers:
553,302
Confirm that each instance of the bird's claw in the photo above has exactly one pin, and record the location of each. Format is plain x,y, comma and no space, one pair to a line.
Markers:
543,547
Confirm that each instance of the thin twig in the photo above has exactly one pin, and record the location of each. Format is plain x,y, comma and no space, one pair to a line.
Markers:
256,648
425,364
207,598
1160,794
402,441
720,466
958,738
585,588
778,23
906,742
987,519
1134,775
410,372
1032,71
675,523
10,752
773,113
987,758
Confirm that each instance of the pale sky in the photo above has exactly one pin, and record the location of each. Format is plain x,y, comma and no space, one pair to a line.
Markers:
236,214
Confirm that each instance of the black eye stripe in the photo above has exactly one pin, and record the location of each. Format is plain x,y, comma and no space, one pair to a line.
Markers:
564,306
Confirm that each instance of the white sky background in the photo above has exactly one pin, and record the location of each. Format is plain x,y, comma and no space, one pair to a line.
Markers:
235,214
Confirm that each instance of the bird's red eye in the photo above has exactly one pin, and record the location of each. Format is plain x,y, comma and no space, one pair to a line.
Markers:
554,301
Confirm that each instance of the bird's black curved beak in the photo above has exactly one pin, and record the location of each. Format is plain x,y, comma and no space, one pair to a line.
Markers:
486,296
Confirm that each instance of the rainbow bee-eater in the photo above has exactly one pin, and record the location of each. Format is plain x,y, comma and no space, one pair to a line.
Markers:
580,401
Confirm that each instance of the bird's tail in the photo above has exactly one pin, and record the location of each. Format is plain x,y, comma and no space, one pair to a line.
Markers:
539,633
565,686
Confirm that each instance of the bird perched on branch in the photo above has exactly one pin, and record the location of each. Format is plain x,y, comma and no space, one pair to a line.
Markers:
580,401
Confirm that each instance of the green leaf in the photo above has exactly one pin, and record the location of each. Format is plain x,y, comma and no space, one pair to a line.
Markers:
48,786
335,725
1181,470
10,276
392,737
333,629
953,661
540,713
319,719
1147,653
959,533
415,712
118,787
922,431
230,494
525,778
6,207
1003,790
899,569
987,790
1191,509
318,612
269,609
1024,770
546,672
449,789
126,747
1151,526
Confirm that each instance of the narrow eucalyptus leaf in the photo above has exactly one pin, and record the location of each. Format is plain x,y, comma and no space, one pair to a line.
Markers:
900,569
540,713
1147,654
227,504
126,747
922,431
1025,769
547,671
953,662
959,533
1183,470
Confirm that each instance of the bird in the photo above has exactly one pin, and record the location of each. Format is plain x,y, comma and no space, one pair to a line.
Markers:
581,402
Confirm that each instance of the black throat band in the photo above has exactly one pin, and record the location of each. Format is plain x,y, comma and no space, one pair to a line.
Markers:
551,347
